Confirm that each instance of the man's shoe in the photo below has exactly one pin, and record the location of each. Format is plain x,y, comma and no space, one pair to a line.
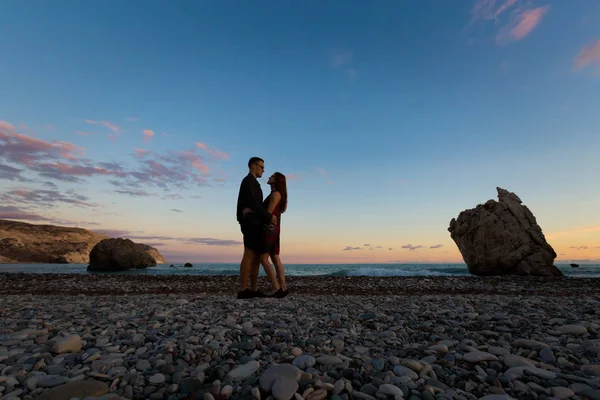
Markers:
283,293
245,294
258,293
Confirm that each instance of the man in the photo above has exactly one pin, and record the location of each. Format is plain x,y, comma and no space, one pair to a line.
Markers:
251,196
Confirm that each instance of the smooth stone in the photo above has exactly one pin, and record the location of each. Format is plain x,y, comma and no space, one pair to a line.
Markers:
547,355
528,344
591,369
329,360
284,388
90,388
479,356
514,360
412,364
391,390
50,381
401,370
498,351
296,351
68,344
561,392
519,372
143,365
244,371
157,379
440,348
304,361
572,329
268,378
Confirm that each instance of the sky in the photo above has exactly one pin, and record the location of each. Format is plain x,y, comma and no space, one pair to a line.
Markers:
137,119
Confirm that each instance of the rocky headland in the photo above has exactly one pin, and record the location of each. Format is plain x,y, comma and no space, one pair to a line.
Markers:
22,242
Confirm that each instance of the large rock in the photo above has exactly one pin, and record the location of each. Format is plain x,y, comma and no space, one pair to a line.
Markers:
503,238
119,255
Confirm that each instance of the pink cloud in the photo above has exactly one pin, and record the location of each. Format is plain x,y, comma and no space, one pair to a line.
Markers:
113,137
218,154
521,25
49,127
108,124
48,198
589,55
196,160
22,149
293,177
70,172
491,9
5,126
140,153
148,134
215,153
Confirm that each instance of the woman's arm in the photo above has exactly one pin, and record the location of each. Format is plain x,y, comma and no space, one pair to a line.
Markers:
275,198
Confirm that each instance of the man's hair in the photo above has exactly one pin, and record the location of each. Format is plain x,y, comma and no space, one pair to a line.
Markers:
254,160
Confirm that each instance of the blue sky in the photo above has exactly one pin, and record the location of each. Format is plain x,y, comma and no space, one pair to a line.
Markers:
389,119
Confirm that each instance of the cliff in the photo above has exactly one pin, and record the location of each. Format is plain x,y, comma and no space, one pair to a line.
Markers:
21,242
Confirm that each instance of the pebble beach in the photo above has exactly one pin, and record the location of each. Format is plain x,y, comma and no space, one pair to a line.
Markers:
65,336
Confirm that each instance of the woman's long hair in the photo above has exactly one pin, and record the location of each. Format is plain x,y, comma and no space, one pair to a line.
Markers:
281,187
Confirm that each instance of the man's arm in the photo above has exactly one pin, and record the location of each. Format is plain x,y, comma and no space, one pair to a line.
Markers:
256,204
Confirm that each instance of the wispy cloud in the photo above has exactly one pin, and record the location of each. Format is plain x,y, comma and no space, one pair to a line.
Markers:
350,248
19,214
490,9
343,61
573,231
588,56
579,247
176,210
148,134
340,58
215,153
436,246
521,24
293,177
186,240
113,127
324,174
23,149
411,247
46,198
21,154
10,173
134,192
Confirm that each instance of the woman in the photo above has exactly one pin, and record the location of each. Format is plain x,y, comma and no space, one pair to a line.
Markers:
276,204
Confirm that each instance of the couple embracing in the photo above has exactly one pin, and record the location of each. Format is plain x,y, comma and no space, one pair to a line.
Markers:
260,222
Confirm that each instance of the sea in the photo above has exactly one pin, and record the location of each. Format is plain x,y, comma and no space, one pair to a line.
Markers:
584,270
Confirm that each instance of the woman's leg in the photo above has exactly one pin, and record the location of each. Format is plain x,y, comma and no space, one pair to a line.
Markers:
264,260
280,271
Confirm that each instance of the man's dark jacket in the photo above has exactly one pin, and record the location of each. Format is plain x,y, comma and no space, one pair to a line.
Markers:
251,196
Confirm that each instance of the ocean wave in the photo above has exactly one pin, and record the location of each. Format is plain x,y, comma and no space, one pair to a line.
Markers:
369,271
